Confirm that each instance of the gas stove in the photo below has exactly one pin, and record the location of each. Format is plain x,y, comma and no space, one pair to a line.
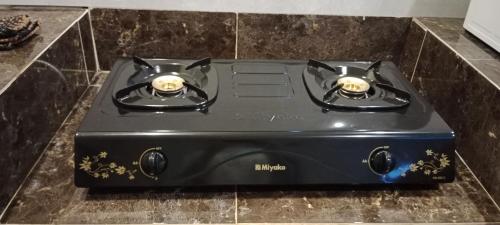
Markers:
165,122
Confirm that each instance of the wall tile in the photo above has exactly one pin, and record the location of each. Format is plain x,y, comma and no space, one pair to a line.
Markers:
34,106
466,101
320,37
162,34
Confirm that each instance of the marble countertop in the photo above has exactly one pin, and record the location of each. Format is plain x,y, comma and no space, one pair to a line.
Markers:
49,196
53,22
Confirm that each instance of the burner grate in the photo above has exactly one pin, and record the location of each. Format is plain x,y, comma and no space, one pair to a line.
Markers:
352,87
170,85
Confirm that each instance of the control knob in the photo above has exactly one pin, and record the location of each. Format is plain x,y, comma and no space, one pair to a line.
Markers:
381,161
153,163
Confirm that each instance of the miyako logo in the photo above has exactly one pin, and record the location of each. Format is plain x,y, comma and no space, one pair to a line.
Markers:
269,168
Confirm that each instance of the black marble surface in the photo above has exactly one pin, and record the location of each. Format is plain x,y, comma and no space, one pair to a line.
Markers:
49,196
53,21
476,52
463,201
266,36
88,45
411,49
162,34
468,102
475,72
34,105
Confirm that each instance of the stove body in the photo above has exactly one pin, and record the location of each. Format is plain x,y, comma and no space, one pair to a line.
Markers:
261,123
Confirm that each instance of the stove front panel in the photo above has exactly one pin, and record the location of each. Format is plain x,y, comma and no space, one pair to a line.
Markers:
199,159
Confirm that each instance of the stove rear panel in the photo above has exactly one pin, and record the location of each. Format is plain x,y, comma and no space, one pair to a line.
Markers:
214,159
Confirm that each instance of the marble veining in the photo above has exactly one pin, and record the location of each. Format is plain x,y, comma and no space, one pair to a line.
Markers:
467,102
459,202
162,34
266,36
50,196
53,21
34,106
476,52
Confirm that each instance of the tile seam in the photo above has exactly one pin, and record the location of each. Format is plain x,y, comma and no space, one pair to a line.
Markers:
83,52
236,204
478,181
94,45
236,41
418,56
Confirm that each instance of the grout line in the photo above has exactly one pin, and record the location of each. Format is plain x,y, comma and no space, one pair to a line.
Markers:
35,164
96,57
236,42
84,56
477,179
14,78
458,54
418,56
235,203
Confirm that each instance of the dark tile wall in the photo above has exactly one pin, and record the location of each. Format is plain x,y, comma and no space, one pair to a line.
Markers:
411,49
34,106
162,34
477,53
469,104
88,45
265,36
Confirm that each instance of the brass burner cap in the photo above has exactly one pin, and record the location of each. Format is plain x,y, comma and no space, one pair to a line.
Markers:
168,84
354,84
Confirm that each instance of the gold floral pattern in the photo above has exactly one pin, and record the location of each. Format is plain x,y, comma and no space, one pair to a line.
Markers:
94,166
434,165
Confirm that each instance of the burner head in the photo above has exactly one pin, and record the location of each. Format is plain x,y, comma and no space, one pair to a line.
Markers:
353,87
168,84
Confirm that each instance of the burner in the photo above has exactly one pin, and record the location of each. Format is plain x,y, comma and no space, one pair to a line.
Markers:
353,87
167,85
350,87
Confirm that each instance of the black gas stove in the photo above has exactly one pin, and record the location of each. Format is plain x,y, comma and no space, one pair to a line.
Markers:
159,122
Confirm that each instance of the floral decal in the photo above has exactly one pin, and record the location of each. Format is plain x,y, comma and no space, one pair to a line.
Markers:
98,169
434,165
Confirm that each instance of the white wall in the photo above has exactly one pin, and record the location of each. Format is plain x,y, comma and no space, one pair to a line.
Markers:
398,8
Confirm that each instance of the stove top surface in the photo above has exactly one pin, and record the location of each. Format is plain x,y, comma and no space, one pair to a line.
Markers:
260,96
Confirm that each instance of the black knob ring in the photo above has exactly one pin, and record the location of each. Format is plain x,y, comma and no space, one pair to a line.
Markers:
152,162
387,160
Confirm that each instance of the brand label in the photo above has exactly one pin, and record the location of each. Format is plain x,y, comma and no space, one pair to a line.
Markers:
269,168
